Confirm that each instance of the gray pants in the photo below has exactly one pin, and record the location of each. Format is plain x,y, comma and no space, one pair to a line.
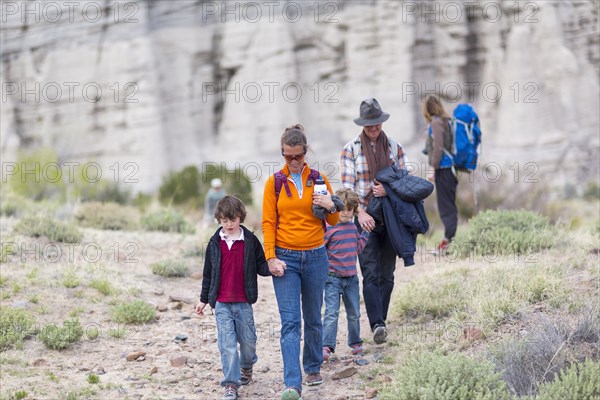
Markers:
445,187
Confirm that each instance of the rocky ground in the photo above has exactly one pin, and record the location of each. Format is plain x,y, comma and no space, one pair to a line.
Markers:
165,368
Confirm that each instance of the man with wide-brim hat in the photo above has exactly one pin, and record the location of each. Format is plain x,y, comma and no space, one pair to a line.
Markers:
362,158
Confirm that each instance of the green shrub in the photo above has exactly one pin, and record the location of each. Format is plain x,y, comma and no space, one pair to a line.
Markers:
508,232
135,312
38,175
142,201
181,187
18,395
235,182
56,231
15,326
580,381
103,285
109,216
117,333
70,279
103,191
93,378
13,205
166,220
451,377
60,337
170,268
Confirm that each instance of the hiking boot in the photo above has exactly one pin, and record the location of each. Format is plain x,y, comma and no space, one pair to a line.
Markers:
314,379
357,349
245,375
291,393
230,393
326,353
380,334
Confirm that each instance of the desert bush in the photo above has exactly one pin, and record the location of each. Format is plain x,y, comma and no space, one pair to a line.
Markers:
70,279
60,337
18,395
166,220
109,216
181,187
14,205
508,232
15,326
103,285
235,182
446,377
170,268
580,381
37,175
56,231
537,358
587,329
135,312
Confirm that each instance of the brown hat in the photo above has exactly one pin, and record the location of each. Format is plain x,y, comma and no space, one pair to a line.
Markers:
371,113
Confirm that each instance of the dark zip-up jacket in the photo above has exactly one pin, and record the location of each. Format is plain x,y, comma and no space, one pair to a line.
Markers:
254,263
402,209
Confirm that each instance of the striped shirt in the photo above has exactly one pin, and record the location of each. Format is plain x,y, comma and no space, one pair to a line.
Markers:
355,167
344,243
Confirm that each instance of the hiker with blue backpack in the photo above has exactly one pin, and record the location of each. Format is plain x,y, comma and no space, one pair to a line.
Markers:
451,146
294,239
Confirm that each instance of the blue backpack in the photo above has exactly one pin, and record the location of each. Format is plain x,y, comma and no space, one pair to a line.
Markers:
466,137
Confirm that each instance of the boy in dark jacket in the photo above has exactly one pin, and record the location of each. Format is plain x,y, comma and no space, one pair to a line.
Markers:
234,257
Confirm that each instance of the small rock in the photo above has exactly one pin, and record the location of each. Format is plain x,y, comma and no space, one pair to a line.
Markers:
178,361
39,362
472,333
345,372
162,307
100,371
177,306
264,369
181,299
159,292
185,317
377,357
361,361
196,275
370,393
153,370
142,358
135,355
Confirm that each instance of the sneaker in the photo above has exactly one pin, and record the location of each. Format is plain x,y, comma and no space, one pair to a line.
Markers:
230,393
357,349
245,375
442,248
291,393
380,334
326,353
314,379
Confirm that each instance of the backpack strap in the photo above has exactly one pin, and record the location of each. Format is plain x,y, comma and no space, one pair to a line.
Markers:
281,180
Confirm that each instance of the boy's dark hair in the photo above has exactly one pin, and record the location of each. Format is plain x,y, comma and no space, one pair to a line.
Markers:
230,207
350,199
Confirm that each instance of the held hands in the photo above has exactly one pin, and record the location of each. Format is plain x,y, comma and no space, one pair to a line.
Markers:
276,267
323,201
200,308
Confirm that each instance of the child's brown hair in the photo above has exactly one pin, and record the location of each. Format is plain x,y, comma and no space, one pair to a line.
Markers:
230,207
350,199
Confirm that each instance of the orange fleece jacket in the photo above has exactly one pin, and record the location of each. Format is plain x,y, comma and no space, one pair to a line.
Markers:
298,228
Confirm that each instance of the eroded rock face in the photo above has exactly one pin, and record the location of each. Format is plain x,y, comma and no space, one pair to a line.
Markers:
167,84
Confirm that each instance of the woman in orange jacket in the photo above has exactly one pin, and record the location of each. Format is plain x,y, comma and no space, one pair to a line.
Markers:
295,251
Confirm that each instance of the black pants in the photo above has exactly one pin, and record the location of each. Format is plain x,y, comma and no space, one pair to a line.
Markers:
445,187
377,265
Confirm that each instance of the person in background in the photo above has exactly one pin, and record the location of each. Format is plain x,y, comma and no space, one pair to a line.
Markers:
438,142
214,194
343,243
234,257
295,245
362,158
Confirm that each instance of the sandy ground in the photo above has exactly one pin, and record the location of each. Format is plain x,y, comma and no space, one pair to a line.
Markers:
125,261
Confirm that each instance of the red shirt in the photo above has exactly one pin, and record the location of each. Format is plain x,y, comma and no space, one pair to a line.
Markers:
232,288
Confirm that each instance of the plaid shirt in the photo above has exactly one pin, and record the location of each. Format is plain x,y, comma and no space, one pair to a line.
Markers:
355,167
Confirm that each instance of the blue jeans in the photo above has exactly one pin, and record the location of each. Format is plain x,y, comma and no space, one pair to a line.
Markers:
347,288
235,324
303,282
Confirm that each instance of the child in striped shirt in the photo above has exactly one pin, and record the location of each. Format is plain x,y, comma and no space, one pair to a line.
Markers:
343,243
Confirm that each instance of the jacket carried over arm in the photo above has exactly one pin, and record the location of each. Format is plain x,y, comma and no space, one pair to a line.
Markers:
254,263
298,228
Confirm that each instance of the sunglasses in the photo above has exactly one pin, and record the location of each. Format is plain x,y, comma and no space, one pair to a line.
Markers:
295,157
